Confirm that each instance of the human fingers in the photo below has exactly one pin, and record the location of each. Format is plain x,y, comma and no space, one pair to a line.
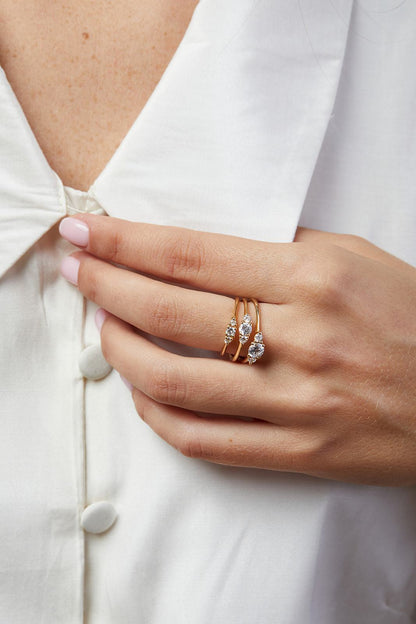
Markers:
292,334
313,451
212,262
190,317
208,385
347,446
228,441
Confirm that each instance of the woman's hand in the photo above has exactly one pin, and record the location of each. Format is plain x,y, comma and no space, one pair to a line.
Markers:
334,395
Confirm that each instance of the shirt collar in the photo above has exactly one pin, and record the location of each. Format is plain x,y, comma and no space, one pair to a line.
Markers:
227,142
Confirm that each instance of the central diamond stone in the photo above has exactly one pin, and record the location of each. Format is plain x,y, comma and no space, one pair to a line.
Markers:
245,331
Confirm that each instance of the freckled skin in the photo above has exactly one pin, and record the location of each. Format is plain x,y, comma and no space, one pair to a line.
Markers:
82,72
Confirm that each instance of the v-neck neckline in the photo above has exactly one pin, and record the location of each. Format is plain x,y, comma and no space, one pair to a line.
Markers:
143,111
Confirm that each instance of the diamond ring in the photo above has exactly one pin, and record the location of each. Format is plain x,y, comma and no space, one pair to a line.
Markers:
245,329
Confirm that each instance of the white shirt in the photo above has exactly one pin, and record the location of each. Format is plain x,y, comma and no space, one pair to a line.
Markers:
271,113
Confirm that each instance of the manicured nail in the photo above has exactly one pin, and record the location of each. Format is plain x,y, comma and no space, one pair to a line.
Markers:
74,230
128,384
100,317
70,268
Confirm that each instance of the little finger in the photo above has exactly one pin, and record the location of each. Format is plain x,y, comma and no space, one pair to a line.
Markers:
225,440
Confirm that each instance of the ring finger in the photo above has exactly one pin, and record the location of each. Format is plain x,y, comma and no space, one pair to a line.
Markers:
201,384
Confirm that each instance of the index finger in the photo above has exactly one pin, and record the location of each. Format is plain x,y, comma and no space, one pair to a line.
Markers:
214,262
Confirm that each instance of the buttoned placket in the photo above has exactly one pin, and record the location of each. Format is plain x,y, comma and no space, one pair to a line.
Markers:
95,516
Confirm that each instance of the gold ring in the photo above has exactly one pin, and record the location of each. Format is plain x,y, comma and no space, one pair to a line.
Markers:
245,329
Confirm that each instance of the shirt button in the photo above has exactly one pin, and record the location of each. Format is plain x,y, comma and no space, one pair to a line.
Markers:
92,363
98,517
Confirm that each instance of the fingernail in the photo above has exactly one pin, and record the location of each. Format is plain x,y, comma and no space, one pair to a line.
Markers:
74,230
100,317
70,268
128,384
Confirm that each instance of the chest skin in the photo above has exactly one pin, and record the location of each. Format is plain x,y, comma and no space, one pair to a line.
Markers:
83,71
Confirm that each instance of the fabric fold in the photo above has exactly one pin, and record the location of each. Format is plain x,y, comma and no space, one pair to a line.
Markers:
234,127
29,191
237,122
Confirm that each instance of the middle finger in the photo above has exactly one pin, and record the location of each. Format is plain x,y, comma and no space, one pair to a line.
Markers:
189,317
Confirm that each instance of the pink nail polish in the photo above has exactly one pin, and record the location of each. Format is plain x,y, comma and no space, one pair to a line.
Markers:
70,268
75,231
100,317
128,384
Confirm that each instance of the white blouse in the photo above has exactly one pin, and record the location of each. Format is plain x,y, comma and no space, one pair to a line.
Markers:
271,113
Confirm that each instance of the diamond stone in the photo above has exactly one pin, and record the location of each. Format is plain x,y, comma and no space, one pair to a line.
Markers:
258,337
230,331
245,331
255,350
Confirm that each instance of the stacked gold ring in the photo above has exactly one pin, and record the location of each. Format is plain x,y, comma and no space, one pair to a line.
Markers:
245,329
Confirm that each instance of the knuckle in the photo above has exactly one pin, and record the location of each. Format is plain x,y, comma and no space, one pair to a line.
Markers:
326,452
115,245
165,319
317,402
297,262
184,256
327,279
353,242
337,284
321,353
165,385
311,451
322,400
305,269
91,281
190,444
